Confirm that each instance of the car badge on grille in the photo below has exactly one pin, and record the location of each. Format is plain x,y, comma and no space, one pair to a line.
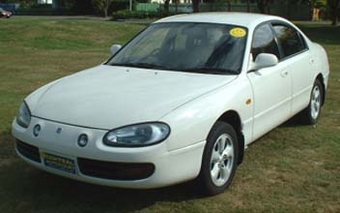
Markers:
59,130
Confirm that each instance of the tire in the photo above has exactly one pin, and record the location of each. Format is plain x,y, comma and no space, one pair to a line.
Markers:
311,113
219,161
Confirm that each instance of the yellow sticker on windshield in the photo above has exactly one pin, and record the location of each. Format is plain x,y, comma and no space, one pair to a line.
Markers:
238,32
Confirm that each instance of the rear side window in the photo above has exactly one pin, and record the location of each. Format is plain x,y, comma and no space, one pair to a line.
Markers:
290,40
264,42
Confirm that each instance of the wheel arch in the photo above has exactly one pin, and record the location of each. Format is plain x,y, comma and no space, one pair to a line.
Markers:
233,118
321,79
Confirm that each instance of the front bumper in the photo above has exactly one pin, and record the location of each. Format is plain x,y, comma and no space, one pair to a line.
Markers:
56,150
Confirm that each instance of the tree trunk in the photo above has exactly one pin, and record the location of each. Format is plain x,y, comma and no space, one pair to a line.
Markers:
195,6
263,6
229,5
106,9
335,17
260,6
106,12
248,6
335,7
176,6
166,6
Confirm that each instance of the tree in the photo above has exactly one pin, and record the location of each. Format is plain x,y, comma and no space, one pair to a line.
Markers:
102,6
334,7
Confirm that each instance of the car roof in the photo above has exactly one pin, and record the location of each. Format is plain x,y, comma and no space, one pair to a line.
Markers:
248,20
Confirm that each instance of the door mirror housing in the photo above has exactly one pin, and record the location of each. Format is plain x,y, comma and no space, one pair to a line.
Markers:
115,48
263,60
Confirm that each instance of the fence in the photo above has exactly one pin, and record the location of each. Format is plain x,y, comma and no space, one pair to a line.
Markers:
9,7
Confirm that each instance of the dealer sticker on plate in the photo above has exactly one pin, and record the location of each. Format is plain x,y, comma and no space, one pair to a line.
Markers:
61,163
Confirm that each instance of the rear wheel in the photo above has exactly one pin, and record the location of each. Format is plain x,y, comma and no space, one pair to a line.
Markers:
311,114
219,159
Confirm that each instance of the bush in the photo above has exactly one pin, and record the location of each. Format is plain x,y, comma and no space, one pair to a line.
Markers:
127,14
44,11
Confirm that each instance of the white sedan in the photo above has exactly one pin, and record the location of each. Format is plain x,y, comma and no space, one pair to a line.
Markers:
180,101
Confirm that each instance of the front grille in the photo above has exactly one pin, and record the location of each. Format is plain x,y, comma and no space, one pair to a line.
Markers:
114,170
29,151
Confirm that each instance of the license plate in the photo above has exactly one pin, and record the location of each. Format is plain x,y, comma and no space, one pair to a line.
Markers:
61,163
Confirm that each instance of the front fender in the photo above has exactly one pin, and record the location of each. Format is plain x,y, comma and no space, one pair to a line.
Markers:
192,122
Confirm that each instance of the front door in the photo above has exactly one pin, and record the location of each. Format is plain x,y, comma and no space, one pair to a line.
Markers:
272,86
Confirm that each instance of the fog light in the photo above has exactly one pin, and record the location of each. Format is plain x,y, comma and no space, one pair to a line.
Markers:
82,140
36,130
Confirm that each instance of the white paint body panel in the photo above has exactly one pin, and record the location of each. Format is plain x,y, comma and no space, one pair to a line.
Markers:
85,98
272,96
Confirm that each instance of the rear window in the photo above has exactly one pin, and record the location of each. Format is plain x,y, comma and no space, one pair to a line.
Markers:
290,40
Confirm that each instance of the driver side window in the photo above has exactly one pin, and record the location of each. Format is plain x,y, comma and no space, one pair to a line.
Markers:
264,42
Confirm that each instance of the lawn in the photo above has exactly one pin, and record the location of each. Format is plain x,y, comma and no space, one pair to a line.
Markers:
292,169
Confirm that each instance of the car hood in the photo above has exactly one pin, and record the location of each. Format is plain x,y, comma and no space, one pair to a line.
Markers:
107,97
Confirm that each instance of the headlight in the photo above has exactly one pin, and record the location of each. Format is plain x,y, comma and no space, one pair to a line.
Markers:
137,135
24,116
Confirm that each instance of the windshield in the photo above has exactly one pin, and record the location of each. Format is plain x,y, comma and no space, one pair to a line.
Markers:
188,47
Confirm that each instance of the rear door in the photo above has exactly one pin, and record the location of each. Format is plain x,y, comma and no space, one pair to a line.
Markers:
300,62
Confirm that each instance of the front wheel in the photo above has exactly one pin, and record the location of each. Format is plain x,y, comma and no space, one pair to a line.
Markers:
219,159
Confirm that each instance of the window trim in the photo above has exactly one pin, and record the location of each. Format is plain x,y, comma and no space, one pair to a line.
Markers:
271,24
301,39
268,23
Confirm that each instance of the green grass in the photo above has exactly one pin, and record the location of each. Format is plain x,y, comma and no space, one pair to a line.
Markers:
291,169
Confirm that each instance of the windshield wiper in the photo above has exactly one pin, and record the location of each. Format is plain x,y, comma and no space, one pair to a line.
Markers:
210,70
140,65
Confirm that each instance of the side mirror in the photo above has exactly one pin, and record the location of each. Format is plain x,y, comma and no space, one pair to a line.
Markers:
263,60
114,48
